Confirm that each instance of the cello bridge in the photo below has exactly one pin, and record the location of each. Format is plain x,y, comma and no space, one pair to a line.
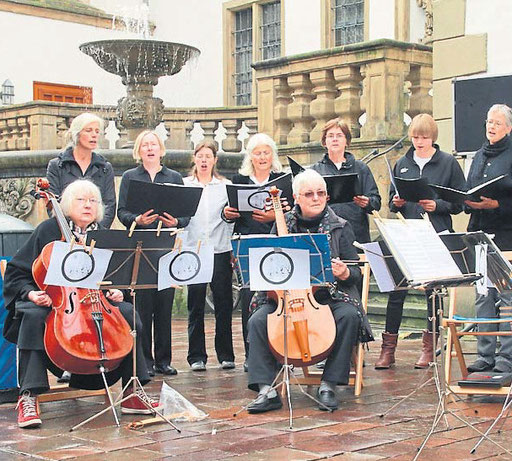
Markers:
93,297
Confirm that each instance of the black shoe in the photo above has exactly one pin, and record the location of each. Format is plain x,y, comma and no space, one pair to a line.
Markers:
168,370
65,378
264,403
327,398
502,367
479,365
151,372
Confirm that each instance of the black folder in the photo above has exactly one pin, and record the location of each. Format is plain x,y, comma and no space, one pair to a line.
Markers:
414,190
490,379
295,166
494,188
342,188
177,200
283,183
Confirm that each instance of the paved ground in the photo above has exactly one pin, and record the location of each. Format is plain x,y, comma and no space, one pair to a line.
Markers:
355,432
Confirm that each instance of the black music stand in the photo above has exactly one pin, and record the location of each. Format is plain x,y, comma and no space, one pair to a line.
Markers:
320,274
134,265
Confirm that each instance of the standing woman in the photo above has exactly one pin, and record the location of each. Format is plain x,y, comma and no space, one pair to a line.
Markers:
79,161
493,217
260,165
208,226
336,138
424,159
154,307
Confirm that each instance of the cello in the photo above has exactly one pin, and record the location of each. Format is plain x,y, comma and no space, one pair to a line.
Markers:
310,326
84,333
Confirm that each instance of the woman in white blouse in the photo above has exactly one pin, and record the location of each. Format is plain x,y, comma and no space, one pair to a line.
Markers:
208,226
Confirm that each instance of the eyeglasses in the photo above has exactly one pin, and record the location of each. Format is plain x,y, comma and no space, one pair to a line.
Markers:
83,201
310,194
494,122
335,135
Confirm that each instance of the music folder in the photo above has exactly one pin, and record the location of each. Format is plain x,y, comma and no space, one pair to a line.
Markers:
414,190
295,166
342,188
176,199
494,188
490,379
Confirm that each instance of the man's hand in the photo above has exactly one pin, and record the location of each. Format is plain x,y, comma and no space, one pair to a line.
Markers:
114,295
168,220
339,269
146,219
485,204
40,298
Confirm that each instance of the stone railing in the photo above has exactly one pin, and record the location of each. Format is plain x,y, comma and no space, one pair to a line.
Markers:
371,85
42,125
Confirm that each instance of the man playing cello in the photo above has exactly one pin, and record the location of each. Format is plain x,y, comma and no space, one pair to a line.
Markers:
311,214
29,307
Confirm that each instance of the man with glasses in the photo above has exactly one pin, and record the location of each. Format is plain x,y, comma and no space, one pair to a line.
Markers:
493,217
311,214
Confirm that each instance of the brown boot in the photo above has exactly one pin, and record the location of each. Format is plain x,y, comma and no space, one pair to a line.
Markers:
426,351
387,351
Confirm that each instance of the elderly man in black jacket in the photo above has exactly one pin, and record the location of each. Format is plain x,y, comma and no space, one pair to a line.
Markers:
311,214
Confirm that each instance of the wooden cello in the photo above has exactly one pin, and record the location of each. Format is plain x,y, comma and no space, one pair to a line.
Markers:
311,329
84,333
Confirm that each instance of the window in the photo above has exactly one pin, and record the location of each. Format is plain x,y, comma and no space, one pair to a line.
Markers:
243,57
62,93
7,93
271,31
253,32
348,21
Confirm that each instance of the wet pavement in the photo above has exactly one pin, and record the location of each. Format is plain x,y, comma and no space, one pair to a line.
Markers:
354,432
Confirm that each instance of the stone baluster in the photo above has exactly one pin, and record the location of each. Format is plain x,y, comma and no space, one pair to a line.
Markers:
178,134
24,134
252,126
420,101
298,110
383,99
232,143
123,137
13,133
3,134
282,124
322,107
62,128
209,127
348,103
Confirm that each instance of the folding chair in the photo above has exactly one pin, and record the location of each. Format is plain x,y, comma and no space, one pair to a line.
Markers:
313,378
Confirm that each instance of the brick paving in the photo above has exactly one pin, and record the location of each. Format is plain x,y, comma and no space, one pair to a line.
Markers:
353,433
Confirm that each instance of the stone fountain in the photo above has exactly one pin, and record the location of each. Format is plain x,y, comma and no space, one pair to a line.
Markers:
139,62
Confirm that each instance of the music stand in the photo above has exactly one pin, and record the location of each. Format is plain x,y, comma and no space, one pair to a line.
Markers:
134,265
320,274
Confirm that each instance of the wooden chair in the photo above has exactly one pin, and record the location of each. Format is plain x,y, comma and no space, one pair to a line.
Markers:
312,378
60,391
454,346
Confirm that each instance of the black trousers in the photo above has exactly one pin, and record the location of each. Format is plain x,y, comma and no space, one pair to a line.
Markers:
395,308
244,303
155,310
263,366
33,362
223,304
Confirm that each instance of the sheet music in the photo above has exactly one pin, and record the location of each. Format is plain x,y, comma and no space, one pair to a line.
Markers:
418,250
380,270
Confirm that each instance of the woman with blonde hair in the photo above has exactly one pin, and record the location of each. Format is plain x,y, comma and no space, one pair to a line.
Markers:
260,165
79,161
154,307
423,160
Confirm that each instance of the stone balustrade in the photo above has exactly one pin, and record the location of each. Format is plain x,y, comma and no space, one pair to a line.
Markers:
42,125
382,80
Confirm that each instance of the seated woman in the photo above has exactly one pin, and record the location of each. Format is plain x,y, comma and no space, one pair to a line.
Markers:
29,306
311,214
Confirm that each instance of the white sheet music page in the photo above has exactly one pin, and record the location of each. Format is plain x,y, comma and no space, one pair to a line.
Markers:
418,250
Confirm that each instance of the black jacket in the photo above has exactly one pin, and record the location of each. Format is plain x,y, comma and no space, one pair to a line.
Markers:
64,170
443,170
165,175
245,225
488,163
354,214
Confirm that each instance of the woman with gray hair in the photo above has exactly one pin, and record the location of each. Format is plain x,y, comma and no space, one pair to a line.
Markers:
260,165
79,161
28,306
493,217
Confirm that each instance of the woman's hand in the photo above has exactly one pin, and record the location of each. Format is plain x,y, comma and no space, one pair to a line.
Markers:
428,205
264,216
40,298
231,213
361,200
398,202
114,295
168,220
339,269
485,204
146,219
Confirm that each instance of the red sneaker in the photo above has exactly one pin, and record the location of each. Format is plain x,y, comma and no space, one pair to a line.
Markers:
135,404
28,414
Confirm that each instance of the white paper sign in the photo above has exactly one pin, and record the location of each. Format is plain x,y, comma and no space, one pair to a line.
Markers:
186,267
77,268
278,269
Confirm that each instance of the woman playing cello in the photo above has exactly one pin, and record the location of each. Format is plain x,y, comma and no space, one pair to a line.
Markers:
29,306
